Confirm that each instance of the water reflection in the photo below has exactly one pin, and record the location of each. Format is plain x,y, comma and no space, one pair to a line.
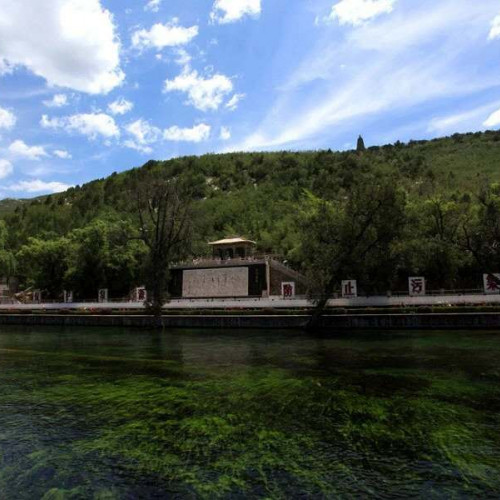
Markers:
91,413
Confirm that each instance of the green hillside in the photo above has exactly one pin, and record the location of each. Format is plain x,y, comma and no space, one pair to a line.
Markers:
84,237
8,205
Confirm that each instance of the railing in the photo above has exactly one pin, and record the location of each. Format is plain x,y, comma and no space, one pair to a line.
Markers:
442,291
230,261
13,301
312,298
403,293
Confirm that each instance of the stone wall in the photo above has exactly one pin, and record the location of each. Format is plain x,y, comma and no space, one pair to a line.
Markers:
228,282
331,323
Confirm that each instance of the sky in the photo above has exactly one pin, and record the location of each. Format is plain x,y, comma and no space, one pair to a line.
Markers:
90,87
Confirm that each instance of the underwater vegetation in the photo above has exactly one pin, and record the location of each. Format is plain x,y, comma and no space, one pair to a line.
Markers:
277,415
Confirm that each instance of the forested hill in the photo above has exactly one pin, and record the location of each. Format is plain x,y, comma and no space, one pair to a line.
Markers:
265,196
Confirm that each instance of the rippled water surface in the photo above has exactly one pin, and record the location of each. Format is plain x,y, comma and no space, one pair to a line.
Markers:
107,413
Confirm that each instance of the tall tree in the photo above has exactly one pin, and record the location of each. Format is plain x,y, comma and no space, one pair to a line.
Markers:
430,244
480,231
7,260
104,256
347,237
165,222
44,263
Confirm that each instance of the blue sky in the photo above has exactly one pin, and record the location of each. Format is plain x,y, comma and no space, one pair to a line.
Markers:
89,87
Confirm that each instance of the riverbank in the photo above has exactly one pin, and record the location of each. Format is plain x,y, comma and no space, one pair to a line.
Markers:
333,322
268,304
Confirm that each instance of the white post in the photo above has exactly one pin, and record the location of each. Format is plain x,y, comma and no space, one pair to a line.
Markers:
288,290
349,289
416,286
491,283
140,294
103,295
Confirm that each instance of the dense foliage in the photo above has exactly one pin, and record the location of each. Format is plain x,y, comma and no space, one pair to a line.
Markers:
439,217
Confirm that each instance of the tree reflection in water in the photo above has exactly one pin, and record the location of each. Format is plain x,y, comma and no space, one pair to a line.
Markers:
128,413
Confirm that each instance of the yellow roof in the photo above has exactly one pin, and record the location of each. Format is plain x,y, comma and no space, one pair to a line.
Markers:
232,241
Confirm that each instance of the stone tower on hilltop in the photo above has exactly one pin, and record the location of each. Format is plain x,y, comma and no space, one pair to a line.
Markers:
360,147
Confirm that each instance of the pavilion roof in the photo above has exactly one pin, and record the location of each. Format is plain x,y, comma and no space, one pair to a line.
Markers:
232,241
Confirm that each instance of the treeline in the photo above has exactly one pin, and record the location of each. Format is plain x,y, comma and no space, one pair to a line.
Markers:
429,208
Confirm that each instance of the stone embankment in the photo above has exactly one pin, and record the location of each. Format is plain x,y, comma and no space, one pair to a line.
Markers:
330,322
362,313
268,303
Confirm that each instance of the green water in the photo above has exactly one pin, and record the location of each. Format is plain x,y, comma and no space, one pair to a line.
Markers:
91,413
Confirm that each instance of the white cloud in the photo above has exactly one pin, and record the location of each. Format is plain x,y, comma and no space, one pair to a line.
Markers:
229,11
144,134
197,133
89,124
392,70
183,57
37,185
232,104
22,150
58,101
129,143
357,12
5,67
495,28
69,43
448,123
7,119
493,120
225,133
120,106
153,5
6,168
462,121
163,35
61,153
203,93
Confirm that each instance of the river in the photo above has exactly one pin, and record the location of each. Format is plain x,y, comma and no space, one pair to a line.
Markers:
120,413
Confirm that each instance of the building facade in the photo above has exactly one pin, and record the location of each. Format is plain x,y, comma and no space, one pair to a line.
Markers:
235,271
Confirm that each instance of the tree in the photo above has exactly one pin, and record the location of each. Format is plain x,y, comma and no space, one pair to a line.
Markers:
360,147
480,231
352,236
104,256
43,264
430,244
7,260
165,221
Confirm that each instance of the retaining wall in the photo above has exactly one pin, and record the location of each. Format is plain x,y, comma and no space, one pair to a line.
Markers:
329,322
274,302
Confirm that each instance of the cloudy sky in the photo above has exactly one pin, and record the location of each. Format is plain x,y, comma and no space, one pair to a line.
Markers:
88,87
